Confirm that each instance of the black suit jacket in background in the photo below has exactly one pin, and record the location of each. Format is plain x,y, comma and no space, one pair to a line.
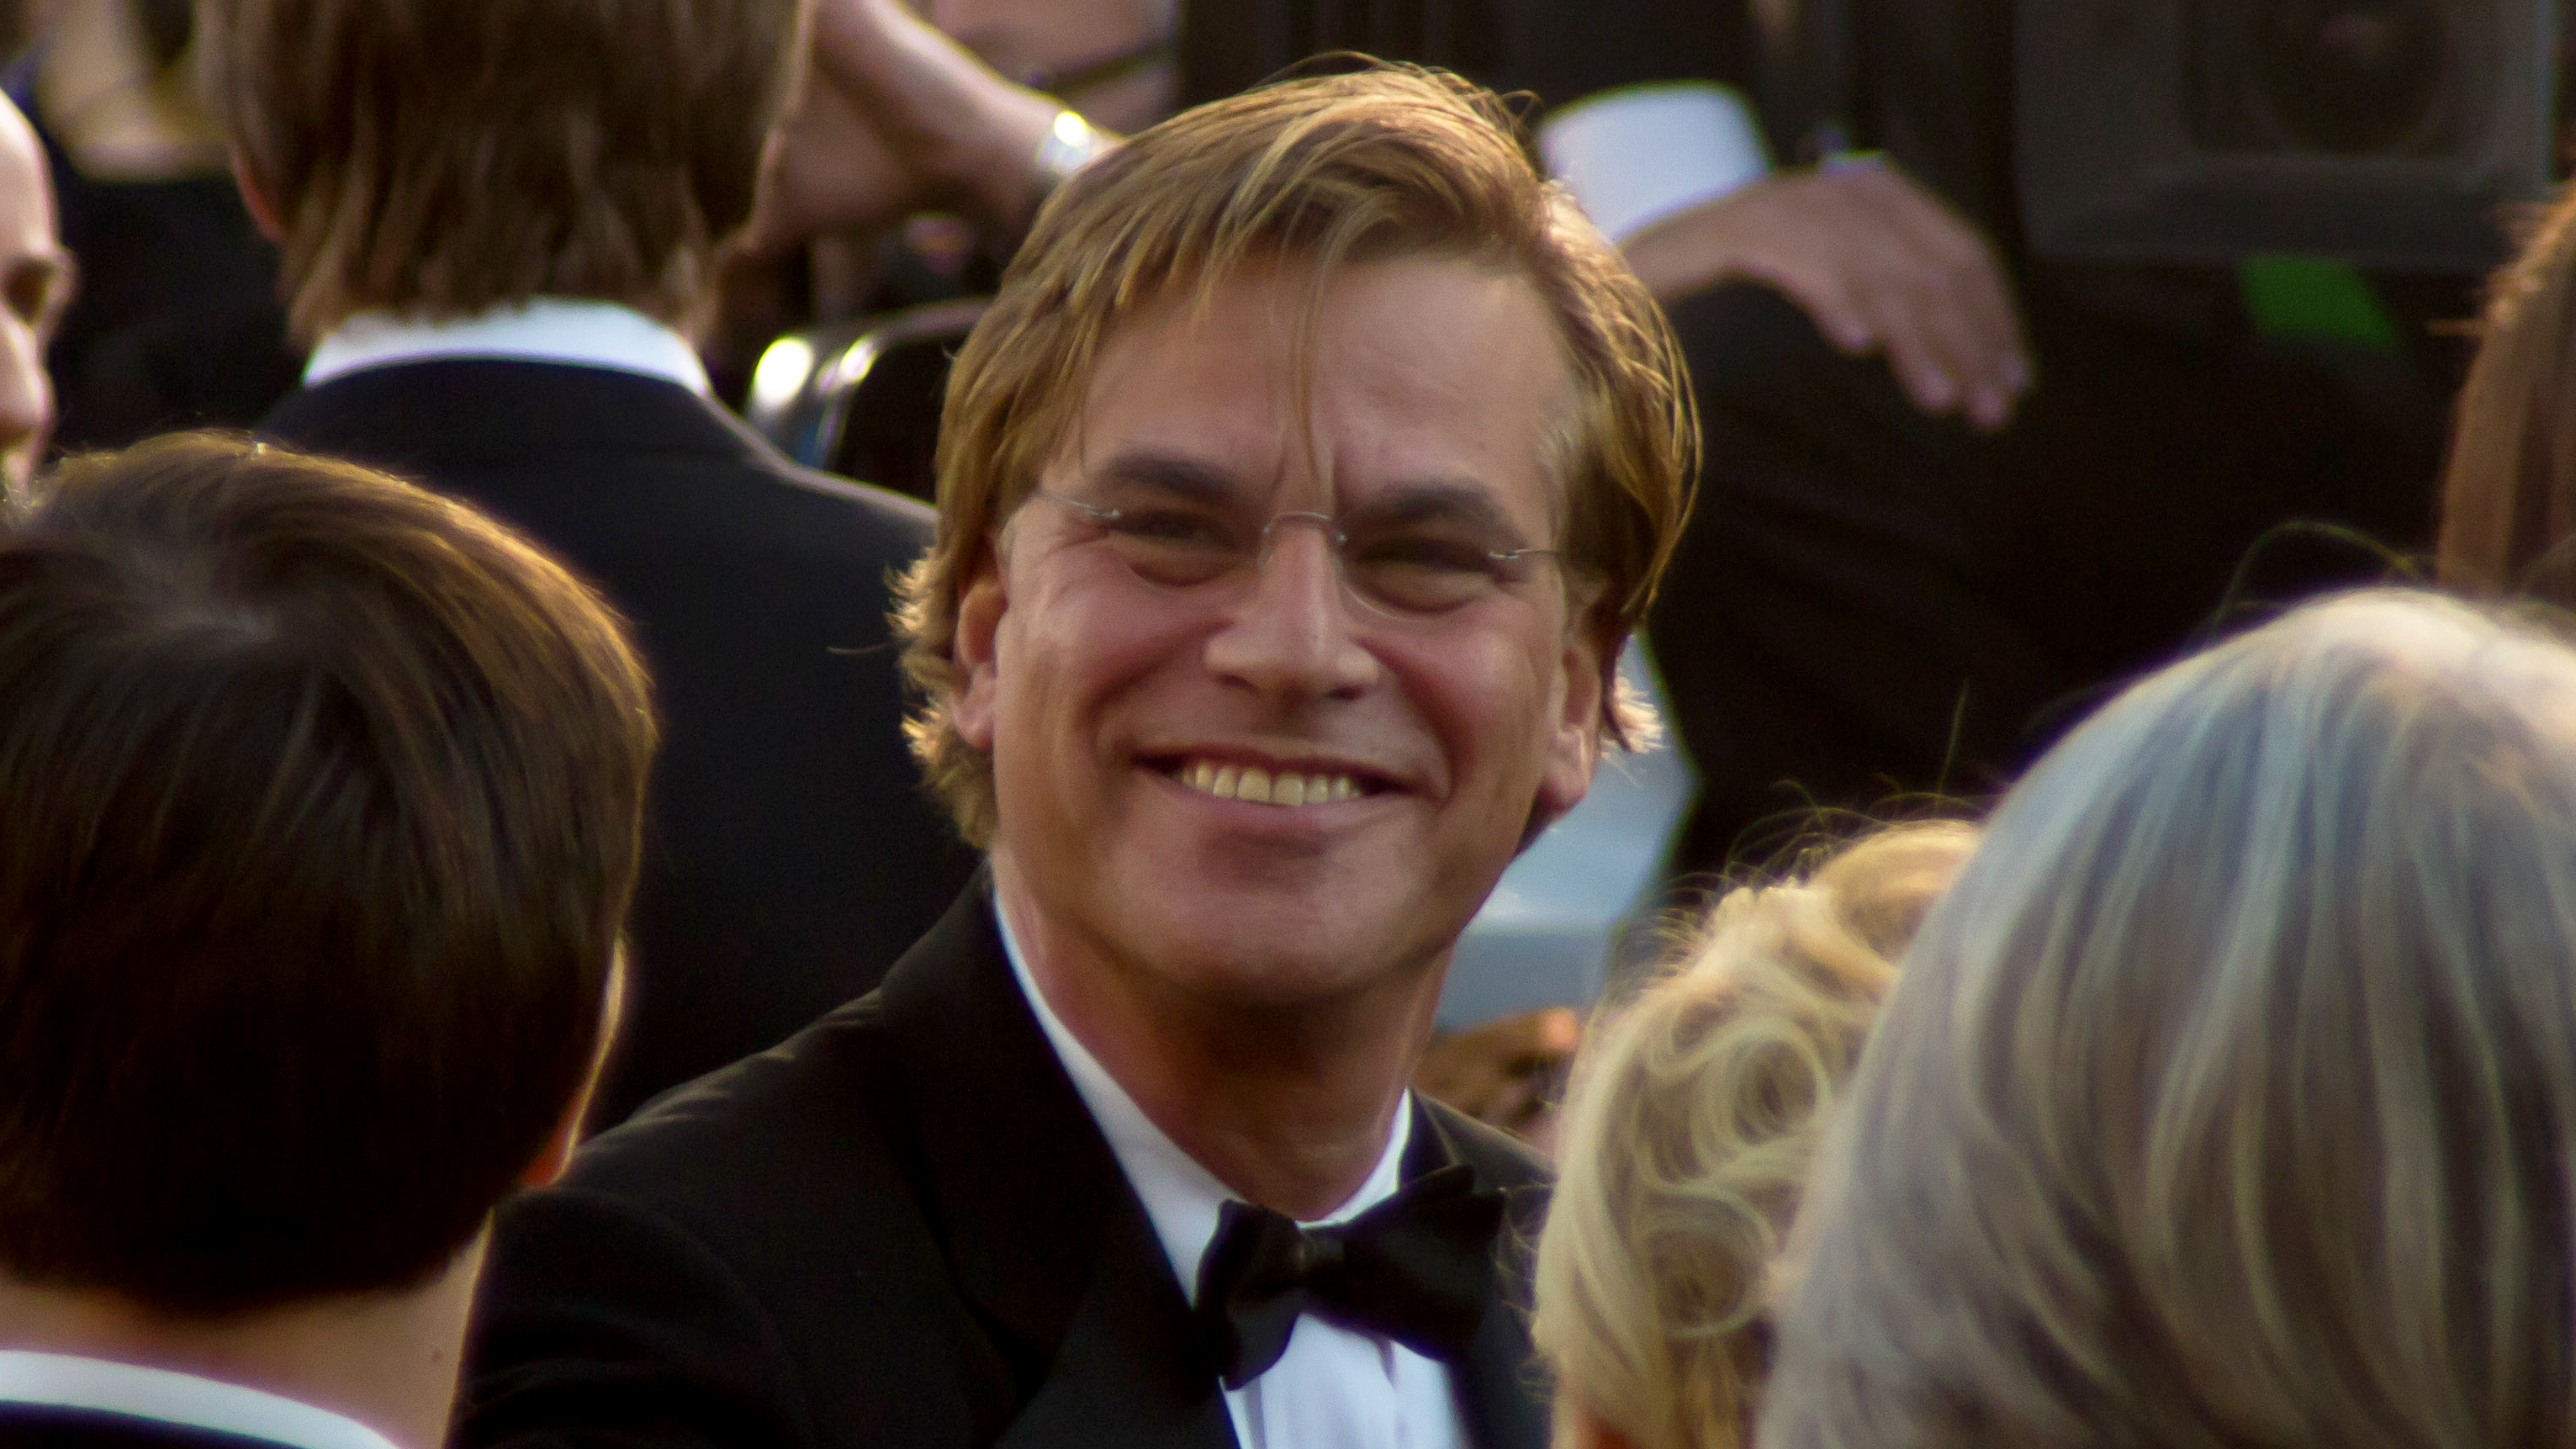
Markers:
1868,603
900,1229
35,1426
790,851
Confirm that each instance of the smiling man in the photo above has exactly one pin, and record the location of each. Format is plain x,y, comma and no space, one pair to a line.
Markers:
1296,496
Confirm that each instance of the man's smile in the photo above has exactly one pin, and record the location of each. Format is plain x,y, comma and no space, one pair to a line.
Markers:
1272,783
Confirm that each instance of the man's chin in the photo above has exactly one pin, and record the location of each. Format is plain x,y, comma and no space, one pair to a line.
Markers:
1277,949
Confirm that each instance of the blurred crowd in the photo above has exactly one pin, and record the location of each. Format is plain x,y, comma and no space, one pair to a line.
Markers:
764,723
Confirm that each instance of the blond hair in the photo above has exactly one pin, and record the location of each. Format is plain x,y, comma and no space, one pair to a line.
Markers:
442,157
1693,1114
2509,490
2228,1096
1322,172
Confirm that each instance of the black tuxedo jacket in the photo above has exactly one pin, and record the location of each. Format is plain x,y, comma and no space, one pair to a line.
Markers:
899,1229
790,850
34,1426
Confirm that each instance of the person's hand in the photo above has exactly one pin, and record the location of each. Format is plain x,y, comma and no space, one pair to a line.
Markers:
1505,1073
1877,261
896,119
828,170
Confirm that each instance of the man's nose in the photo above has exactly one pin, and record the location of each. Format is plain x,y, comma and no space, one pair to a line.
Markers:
26,393
1292,634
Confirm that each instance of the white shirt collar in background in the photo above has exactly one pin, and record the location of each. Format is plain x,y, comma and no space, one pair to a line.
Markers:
1334,1388
548,329
1638,154
64,1381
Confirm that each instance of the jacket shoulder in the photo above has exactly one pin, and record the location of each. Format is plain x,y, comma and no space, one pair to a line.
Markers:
561,443
909,517
745,1262
816,1120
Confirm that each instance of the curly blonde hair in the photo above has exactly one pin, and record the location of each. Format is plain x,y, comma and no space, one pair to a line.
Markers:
2509,490
1694,1113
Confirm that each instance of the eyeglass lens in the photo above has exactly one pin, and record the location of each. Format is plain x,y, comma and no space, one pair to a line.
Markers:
1404,559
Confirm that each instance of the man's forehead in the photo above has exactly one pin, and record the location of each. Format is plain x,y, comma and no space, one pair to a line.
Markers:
1439,375
1148,472
26,191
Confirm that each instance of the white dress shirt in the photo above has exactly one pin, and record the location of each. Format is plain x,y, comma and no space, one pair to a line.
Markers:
1335,1388
548,329
63,1381
1638,154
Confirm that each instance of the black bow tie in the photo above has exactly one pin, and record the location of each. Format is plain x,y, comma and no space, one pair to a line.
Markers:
1417,1268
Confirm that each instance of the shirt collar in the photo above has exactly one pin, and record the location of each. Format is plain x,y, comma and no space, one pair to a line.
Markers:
547,329
1181,1198
94,1385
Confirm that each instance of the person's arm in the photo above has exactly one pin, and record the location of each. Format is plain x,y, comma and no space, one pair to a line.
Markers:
1876,260
895,119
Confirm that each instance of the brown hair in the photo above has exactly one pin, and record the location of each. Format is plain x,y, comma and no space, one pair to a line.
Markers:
442,157
1390,162
2509,494
1694,1113
320,798
2226,1099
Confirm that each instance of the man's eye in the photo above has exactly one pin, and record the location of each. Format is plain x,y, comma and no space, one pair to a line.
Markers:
1171,526
1427,551
31,293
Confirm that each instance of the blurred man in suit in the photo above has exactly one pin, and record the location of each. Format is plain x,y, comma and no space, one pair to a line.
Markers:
500,220
1954,487
320,799
1299,491
177,321
35,285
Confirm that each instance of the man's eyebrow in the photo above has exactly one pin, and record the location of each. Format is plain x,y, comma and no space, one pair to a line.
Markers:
1439,500
1429,500
1170,473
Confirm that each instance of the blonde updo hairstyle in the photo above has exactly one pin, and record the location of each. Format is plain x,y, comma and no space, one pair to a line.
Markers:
1694,1112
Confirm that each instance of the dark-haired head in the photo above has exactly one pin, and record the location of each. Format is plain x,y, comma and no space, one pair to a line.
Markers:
319,802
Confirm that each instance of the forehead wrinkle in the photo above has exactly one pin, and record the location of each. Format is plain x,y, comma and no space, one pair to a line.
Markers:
1395,388
1281,318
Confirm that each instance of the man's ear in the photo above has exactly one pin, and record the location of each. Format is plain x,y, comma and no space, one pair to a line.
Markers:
1590,669
981,604
553,1159
255,198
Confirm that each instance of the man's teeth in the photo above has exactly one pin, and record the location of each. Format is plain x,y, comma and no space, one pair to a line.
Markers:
1251,782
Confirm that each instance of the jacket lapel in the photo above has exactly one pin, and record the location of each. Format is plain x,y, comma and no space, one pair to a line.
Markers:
1503,1392
1045,1238
1052,1249
1128,1372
